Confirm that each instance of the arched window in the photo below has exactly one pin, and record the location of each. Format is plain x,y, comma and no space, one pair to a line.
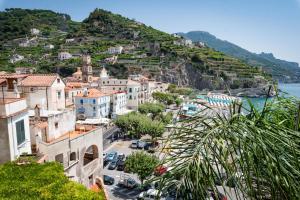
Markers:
90,154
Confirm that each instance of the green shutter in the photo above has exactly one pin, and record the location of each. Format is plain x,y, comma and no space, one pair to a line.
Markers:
20,132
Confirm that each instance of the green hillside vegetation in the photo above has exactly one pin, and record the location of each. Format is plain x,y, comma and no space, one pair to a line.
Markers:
40,181
278,68
147,50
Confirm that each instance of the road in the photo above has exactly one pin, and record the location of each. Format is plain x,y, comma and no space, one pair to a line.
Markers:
115,192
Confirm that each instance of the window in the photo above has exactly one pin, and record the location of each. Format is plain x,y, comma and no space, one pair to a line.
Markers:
114,88
94,108
59,158
107,82
94,114
72,156
130,90
58,80
20,128
103,82
58,94
120,89
130,97
56,125
94,101
81,101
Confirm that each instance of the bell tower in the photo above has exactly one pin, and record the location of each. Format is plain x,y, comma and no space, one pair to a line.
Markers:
87,69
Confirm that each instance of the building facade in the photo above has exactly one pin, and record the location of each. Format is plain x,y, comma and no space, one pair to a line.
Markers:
87,69
64,56
92,104
45,90
14,126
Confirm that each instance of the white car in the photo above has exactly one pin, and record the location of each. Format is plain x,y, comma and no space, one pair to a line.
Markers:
151,194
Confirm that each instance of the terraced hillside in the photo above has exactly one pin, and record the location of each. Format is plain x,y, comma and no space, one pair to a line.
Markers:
145,50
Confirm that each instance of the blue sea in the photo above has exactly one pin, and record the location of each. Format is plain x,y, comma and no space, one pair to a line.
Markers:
291,89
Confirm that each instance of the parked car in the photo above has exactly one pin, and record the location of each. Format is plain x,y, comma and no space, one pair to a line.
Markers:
121,156
108,180
113,164
134,144
111,156
120,165
151,194
141,144
127,182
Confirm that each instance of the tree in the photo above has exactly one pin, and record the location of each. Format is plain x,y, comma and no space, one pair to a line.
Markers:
142,164
257,153
40,181
154,108
136,125
178,102
165,98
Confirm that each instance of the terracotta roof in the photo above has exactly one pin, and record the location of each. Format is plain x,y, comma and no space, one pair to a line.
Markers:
76,84
92,93
39,80
13,75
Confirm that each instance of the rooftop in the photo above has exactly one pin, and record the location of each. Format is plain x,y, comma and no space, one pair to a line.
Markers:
13,75
92,93
79,131
45,80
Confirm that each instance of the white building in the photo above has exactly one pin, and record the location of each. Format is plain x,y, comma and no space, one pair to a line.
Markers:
92,104
111,60
70,40
115,50
16,58
107,84
64,56
46,90
118,103
72,89
14,126
49,46
34,31
77,148
133,94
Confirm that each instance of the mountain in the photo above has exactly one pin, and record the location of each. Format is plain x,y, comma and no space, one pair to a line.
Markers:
148,51
280,69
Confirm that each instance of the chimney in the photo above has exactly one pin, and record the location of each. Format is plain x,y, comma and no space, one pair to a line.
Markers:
85,92
16,91
37,112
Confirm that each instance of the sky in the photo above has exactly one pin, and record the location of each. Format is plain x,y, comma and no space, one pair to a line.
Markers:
256,25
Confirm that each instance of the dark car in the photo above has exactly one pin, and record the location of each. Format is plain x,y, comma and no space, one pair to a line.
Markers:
121,156
120,165
108,180
113,164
